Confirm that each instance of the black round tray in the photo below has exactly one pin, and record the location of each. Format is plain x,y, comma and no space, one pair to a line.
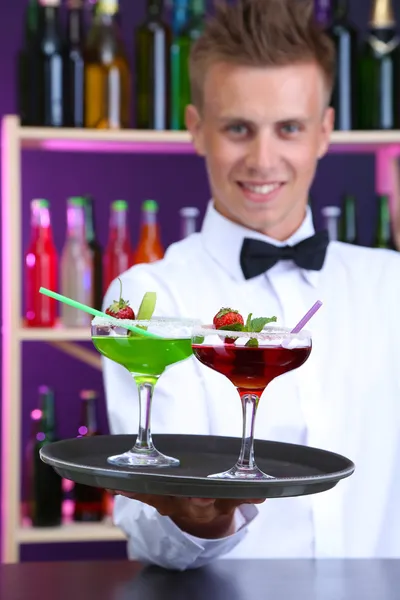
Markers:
299,470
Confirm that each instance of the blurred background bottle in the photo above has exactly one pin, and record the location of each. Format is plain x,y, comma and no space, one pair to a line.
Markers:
50,82
188,215
44,484
41,268
89,502
152,72
344,96
76,266
379,68
28,68
348,221
180,46
74,69
331,216
118,255
96,251
383,232
149,247
107,71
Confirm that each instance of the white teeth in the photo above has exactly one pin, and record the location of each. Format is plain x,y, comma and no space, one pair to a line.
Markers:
261,189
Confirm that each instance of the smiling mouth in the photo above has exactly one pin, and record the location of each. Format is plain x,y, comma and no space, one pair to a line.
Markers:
257,188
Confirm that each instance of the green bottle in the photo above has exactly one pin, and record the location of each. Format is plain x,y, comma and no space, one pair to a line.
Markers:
383,234
197,11
378,70
180,52
348,221
153,43
180,87
45,495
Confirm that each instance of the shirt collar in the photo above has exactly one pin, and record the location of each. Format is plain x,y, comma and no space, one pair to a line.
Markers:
223,240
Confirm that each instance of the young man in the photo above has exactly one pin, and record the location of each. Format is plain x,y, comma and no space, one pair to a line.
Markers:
261,81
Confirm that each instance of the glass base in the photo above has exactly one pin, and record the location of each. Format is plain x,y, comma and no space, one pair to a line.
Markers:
243,474
143,458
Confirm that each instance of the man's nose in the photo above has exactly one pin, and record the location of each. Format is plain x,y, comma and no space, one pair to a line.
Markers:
262,156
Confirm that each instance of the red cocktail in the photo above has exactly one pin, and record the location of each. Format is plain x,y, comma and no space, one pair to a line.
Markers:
250,361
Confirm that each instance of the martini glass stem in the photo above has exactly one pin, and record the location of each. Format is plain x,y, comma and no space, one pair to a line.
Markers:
145,387
249,406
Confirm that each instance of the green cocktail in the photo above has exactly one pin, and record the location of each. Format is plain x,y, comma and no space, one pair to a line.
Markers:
146,358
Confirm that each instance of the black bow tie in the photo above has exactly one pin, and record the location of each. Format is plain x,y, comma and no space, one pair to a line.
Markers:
256,256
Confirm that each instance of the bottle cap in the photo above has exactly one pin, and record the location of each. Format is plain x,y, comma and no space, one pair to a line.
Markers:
119,205
76,201
331,211
88,395
150,206
40,203
189,211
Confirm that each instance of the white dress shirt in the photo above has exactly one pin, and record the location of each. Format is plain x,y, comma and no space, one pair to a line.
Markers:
345,398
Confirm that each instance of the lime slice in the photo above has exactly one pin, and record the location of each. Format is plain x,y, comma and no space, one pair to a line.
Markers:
147,306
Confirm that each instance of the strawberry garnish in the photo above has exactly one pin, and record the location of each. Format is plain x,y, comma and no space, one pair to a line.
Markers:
226,318
120,309
232,320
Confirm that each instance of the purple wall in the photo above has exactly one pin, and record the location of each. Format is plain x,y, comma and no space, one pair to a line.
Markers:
108,177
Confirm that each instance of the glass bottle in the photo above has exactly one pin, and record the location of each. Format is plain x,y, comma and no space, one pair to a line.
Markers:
118,256
383,232
74,71
89,502
45,485
52,54
76,266
107,71
189,215
378,70
41,268
152,58
149,248
28,68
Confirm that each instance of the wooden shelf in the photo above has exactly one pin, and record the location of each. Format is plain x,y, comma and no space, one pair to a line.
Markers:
383,145
172,142
104,140
71,532
54,334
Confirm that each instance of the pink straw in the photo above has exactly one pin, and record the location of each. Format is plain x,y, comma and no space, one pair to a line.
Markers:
307,317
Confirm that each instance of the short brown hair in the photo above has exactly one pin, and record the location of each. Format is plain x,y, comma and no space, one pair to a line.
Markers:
261,33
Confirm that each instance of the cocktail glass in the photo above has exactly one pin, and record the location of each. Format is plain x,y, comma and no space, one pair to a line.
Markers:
250,361
146,358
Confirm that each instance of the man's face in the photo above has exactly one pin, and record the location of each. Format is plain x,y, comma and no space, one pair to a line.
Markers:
262,131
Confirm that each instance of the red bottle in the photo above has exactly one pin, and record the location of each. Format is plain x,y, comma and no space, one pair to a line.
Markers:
41,268
118,253
149,248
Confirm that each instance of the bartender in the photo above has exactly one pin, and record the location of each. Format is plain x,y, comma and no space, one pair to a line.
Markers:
261,76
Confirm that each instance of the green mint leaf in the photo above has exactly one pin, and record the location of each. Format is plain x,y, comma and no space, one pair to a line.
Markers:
198,340
233,327
259,323
248,323
252,343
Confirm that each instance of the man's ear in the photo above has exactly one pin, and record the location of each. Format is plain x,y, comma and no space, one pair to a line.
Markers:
194,126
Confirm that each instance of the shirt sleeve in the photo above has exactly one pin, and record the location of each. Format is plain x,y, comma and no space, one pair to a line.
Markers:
155,539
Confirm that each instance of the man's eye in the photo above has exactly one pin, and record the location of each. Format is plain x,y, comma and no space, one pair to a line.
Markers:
237,129
289,128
